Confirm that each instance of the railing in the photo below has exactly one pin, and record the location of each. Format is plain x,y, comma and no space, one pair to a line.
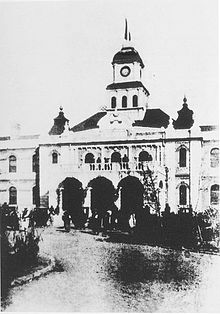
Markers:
112,166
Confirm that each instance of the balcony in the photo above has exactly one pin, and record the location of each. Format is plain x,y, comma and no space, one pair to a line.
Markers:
107,167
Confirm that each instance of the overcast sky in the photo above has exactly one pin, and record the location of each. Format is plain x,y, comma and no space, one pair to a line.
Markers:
60,53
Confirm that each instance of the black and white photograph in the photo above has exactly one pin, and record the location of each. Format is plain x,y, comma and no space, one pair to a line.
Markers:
109,156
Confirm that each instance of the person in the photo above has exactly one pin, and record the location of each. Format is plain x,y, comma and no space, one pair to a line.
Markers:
96,223
66,220
14,219
106,221
24,219
5,209
24,214
51,210
132,222
31,218
51,214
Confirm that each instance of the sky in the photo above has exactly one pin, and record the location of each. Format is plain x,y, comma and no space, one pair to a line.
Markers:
59,53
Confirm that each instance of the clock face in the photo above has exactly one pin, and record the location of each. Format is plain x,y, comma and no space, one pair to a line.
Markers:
125,71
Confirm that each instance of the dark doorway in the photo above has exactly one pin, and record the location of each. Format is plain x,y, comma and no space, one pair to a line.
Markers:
131,190
103,195
73,197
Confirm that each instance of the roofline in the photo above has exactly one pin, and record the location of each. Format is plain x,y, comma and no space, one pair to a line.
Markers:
132,141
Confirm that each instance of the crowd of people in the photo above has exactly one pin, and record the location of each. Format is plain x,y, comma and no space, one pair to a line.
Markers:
12,219
168,228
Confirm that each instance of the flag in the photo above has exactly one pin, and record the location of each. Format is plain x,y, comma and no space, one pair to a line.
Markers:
126,30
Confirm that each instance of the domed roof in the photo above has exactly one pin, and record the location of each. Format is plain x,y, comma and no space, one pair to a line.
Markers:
127,55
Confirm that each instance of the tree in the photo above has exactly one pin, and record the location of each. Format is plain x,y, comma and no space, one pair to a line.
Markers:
151,196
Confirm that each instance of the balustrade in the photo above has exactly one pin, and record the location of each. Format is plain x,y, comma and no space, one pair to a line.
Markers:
114,166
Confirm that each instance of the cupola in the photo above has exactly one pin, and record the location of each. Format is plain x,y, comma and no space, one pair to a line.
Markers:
185,117
127,55
59,124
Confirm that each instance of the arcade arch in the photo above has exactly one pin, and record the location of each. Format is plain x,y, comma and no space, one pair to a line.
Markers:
71,198
103,195
131,192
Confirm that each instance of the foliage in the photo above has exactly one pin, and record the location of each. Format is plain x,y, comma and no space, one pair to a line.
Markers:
150,192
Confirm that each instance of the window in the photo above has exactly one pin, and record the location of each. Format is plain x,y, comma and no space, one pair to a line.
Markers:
135,101
183,195
116,157
89,158
12,195
113,102
214,158
182,157
144,156
214,194
12,164
124,102
54,158
34,163
34,195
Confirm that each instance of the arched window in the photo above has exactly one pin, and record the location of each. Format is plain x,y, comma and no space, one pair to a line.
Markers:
12,164
125,158
34,163
183,195
116,157
182,157
144,156
113,102
54,158
135,101
89,158
34,195
124,102
214,194
12,195
214,158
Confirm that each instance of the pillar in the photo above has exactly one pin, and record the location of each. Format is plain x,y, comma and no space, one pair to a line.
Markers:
118,202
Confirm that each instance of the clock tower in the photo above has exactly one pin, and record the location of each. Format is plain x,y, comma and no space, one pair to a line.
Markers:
127,95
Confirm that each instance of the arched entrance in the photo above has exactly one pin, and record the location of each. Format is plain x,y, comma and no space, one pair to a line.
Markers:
131,194
103,195
72,200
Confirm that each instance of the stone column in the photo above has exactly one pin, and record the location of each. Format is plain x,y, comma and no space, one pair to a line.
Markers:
89,201
118,202
61,200
130,153
58,218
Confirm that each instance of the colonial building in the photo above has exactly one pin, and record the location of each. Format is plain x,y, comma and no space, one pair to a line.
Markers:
123,146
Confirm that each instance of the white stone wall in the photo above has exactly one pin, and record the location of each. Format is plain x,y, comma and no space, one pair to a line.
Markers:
71,163
23,179
209,175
